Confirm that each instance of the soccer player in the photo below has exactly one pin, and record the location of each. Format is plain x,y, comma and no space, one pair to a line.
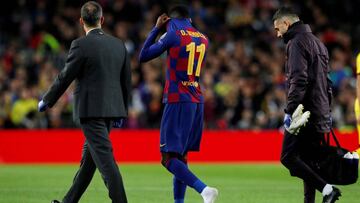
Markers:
182,121
357,105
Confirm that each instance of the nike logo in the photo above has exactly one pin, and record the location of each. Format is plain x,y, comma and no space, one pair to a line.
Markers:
162,145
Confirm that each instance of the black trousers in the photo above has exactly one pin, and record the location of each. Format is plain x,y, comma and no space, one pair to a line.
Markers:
296,151
97,153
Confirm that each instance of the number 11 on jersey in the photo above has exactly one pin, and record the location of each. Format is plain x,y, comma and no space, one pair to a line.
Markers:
191,49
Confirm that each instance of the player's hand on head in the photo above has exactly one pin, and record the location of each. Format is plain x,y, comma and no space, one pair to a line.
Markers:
161,21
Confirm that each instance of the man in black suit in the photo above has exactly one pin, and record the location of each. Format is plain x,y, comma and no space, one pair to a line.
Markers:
101,67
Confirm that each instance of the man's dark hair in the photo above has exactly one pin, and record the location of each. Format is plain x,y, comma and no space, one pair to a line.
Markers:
285,12
179,11
91,13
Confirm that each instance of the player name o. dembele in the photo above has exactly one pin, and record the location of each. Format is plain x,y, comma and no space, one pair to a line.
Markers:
190,83
192,34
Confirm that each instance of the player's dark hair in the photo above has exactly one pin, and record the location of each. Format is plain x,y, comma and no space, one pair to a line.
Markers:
91,13
179,11
285,11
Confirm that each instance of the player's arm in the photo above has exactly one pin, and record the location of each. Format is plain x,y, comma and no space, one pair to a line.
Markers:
151,49
298,76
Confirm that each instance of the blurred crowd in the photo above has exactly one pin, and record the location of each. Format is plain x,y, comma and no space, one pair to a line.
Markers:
243,79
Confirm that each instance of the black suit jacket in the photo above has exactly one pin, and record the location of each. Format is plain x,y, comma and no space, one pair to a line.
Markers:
101,67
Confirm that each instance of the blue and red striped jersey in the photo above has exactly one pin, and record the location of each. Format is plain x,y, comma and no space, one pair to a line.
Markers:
186,50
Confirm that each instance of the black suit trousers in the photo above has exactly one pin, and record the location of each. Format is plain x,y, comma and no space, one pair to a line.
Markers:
296,151
97,153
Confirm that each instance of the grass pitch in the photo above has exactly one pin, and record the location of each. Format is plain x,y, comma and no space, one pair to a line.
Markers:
150,183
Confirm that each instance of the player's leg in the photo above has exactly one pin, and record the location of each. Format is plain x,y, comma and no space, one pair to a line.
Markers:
170,140
179,187
175,136
82,178
209,194
176,124
172,162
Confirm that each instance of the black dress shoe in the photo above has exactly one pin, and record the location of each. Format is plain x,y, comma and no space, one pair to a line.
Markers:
55,201
333,196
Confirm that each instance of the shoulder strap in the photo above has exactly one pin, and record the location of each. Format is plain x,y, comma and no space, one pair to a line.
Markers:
335,139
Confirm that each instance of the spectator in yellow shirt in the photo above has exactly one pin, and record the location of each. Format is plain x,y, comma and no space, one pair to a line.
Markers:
22,108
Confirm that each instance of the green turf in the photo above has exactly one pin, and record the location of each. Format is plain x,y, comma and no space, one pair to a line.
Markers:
237,183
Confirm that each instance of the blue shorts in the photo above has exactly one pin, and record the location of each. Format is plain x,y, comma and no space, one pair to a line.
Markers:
181,127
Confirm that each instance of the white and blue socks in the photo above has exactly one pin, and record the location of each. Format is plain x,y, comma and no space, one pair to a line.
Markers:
181,172
183,177
209,194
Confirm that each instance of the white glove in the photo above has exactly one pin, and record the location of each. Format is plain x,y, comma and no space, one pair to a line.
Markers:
298,120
